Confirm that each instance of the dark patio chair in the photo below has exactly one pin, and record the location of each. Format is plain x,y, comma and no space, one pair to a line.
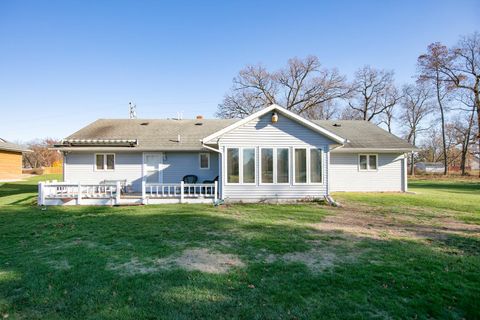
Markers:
211,181
190,179
208,189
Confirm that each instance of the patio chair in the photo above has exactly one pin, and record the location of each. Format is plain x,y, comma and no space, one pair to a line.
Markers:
208,189
211,181
190,179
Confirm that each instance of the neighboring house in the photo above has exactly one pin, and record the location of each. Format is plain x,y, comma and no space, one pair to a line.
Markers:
10,160
273,154
429,167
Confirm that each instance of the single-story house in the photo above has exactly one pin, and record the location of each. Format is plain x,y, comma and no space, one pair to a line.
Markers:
430,167
10,159
271,155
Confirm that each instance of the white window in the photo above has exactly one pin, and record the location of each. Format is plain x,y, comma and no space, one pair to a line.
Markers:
233,165
283,165
248,160
204,159
300,166
315,165
104,161
274,165
266,174
308,165
367,162
241,165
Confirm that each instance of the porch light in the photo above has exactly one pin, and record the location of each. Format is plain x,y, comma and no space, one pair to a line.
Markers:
274,117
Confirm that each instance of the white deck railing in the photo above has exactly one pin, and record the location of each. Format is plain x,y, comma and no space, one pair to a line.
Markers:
180,190
78,192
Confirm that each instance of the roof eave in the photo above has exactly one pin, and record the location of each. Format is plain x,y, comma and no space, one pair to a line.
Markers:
379,150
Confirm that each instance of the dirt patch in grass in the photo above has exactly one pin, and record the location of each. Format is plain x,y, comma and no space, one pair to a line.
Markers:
367,222
201,259
323,256
205,260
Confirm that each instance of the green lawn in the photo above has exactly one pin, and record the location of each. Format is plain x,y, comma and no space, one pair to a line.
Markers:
409,256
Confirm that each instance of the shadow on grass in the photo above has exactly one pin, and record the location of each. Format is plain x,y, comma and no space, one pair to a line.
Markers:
390,279
463,187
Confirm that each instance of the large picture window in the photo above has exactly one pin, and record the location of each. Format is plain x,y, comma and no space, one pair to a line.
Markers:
266,165
233,164
282,165
308,164
248,165
104,161
300,165
315,165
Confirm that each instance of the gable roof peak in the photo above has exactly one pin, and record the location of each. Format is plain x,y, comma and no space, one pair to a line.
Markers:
285,112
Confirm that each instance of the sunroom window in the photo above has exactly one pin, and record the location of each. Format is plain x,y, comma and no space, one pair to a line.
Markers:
267,165
233,163
300,165
248,165
315,165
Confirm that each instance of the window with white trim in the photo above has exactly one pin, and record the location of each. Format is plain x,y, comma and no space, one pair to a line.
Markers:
248,160
104,161
283,165
233,165
308,165
300,166
367,162
315,165
274,165
266,158
204,159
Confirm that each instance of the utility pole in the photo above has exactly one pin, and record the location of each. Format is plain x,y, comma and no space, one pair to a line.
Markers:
132,110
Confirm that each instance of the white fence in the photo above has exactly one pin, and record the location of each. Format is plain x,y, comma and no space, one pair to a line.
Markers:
57,193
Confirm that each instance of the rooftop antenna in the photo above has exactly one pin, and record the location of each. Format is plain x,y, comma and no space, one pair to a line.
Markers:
132,109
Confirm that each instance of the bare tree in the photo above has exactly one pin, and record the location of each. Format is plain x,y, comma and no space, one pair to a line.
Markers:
302,87
464,125
461,68
416,105
41,155
374,92
430,66
431,150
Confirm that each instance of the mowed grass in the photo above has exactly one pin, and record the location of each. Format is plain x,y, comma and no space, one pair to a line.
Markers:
106,262
460,198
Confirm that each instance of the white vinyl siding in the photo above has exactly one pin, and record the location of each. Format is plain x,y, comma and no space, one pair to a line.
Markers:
346,175
79,168
285,134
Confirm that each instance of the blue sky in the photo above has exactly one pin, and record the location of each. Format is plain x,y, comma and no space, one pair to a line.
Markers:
64,64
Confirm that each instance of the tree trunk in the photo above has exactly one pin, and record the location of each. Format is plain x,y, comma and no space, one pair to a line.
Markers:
412,160
444,139
476,92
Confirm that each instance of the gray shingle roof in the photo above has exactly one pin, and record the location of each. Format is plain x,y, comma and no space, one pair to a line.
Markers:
8,146
364,135
153,134
157,134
